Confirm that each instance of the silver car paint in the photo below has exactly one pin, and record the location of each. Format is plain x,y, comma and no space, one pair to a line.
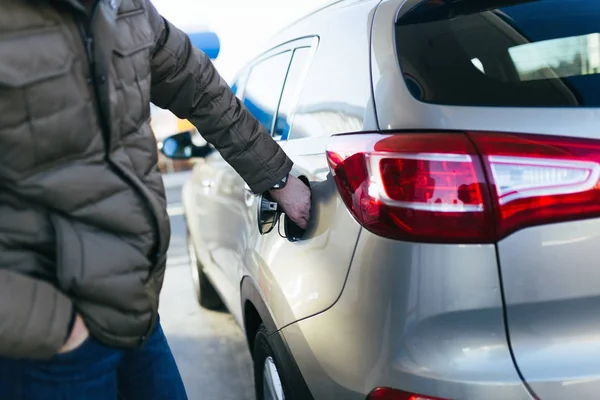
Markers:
424,318
300,279
549,273
213,208
419,317
551,284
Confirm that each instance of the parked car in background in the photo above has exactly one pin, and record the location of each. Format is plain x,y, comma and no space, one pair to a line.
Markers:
453,152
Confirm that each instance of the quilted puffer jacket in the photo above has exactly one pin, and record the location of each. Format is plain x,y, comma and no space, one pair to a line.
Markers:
83,221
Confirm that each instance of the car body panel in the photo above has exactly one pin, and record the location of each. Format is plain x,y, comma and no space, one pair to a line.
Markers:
550,278
217,220
296,279
343,102
299,279
357,311
252,299
425,318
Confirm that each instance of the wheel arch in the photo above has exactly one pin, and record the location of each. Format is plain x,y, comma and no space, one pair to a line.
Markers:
256,313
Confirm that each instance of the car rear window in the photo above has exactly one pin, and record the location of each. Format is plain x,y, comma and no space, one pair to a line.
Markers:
509,53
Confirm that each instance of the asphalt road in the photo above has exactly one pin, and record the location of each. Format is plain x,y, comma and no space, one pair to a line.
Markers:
209,347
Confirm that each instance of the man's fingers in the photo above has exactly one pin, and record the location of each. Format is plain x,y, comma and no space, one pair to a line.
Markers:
304,222
295,199
301,221
305,215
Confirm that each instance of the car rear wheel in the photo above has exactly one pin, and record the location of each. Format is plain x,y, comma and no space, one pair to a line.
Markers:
267,379
206,294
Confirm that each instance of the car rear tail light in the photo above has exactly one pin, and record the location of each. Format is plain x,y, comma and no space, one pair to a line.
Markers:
536,180
393,394
470,187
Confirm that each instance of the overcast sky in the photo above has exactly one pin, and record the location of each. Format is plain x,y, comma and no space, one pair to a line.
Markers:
242,25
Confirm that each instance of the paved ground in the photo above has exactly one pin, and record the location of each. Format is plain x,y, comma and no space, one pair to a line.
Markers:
209,347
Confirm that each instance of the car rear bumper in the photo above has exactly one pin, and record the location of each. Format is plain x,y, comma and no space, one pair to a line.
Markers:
422,318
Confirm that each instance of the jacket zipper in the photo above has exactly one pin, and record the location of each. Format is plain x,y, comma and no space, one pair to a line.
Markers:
88,41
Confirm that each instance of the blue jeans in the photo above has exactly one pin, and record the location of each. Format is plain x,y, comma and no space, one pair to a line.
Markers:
96,372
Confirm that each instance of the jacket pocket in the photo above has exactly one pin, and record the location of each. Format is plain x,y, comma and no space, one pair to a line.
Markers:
131,59
131,71
69,253
99,268
35,87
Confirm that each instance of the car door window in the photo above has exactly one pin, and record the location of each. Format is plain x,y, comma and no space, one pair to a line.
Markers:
291,92
264,86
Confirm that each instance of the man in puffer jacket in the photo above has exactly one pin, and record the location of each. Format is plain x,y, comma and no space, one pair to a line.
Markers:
84,230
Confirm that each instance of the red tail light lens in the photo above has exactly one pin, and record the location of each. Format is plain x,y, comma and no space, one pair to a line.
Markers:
404,187
464,187
393,394
539,179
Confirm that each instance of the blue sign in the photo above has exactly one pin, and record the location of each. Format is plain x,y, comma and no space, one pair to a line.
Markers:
208,42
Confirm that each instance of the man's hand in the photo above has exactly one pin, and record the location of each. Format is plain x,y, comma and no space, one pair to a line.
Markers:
294,198
78,335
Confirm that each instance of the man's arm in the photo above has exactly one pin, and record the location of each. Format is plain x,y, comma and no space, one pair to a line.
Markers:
34,317
185,81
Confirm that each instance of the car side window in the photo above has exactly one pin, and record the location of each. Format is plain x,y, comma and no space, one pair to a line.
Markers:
264,86
291,92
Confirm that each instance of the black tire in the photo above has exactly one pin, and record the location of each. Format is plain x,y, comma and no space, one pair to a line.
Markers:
263,351
206,294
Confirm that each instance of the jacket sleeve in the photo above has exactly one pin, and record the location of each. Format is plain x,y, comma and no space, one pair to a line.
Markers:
34,317
185,81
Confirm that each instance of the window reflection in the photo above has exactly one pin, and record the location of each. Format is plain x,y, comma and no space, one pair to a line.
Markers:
264,86
557,58
291,92
543,53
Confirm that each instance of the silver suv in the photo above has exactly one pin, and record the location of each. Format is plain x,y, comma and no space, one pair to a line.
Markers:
453,152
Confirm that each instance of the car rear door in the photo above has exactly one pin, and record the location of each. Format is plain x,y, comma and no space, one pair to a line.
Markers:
222,197
301,273
213,206
327,91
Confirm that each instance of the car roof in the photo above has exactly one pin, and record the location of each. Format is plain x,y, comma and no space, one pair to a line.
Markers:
319,9
306,26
